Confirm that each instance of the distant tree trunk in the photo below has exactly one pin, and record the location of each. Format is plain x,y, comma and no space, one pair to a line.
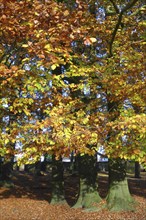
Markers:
118,198
44,164
38,168
6,172
58,195
88,196
137,170
72,164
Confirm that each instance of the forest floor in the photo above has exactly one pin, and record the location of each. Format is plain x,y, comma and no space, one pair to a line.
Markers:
30,196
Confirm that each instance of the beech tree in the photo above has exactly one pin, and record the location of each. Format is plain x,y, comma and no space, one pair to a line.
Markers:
79,66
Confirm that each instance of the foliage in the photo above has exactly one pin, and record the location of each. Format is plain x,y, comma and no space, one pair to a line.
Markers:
72,78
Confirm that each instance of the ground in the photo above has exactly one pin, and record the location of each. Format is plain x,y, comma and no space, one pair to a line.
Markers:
30,196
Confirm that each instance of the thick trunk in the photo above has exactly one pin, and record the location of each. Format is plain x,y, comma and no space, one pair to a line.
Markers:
88,196
57,182
118,198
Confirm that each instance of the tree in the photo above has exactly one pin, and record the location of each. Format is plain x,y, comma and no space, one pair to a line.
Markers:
91,103
121,85
88,197
35,45
137,170
58,195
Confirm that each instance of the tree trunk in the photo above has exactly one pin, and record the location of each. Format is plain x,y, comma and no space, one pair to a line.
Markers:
118,198
38,168
88,196
137,170
57,183
6,172
44,164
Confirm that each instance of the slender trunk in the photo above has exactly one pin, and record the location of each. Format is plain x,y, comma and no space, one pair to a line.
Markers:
57,182
72,164
137,170
44,164
118,198
88,196
38,168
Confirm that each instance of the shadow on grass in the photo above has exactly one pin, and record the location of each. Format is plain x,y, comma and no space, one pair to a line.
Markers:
28,186
38,187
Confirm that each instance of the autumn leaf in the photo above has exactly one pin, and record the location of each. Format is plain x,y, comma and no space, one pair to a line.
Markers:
89,41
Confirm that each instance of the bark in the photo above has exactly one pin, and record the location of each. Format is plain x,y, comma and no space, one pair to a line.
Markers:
58,195
119,197
6,168
137,170
44,164
88,197
38,168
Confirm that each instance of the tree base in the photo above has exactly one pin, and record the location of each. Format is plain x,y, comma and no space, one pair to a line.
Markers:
56,200
88,197
119,198
58,193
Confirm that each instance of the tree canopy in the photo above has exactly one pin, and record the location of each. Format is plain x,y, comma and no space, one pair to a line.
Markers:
72,78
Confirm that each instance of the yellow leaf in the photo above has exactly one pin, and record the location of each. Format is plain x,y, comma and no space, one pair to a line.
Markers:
26,112
134,126
48,47
125,157
53,67
7,151
25,59
66,13
13,141
6,141
93,39
24,45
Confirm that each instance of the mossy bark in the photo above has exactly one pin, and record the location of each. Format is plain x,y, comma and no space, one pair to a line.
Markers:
119,197
88,197
58,196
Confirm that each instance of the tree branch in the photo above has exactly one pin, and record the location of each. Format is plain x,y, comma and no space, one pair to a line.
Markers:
128,6
114,34
115,6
